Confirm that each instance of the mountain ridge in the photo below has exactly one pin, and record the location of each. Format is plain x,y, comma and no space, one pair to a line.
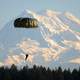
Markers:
54,37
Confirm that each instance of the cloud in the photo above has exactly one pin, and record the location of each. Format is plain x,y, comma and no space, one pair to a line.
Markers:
31,47
30,58
28,46
9,61
48,55
1,64
14,59
72,44
76,60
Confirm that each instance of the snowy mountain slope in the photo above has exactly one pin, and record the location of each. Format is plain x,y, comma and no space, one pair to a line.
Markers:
56,40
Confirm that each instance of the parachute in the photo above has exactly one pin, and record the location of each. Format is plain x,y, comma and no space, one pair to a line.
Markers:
26,23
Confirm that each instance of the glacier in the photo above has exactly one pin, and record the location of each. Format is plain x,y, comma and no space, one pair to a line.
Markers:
56,42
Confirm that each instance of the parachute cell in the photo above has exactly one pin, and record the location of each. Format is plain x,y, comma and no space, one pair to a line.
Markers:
26,23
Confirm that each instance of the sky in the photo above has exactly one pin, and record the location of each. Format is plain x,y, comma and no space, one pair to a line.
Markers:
9,37
12,8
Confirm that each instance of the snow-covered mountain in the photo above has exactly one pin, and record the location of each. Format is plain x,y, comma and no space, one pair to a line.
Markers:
56,42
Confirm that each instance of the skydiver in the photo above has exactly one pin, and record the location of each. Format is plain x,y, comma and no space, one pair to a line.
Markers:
26,56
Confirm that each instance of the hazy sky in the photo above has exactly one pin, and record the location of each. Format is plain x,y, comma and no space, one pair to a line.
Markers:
12,8
9,38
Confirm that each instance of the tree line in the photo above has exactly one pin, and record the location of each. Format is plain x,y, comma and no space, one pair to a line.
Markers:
38,73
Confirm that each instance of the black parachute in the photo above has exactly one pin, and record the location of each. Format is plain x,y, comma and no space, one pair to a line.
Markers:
25,23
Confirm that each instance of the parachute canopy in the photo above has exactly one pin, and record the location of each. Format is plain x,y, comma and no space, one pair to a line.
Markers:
26,23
